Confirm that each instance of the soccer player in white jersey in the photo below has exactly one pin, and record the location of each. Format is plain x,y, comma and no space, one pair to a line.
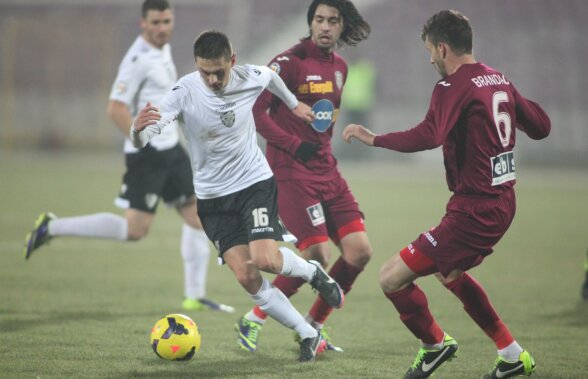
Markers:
160,171
235,188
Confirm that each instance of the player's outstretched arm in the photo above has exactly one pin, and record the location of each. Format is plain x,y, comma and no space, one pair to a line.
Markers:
303,112
145,125
360,133
277,86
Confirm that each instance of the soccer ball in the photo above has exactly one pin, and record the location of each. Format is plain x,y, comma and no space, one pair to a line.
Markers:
175,337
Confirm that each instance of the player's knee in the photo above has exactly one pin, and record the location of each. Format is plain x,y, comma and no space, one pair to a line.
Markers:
245,277
249,278
361,255
356,249
264,262
389,277
136,233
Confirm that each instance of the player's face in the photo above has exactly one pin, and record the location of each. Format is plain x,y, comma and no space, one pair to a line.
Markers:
326,27
215,72
158,26
436,57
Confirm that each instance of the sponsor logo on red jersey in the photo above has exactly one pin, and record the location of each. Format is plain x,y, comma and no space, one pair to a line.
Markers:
324,114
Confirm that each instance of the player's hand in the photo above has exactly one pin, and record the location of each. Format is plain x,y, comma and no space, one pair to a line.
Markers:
149,115
306,151
360,133
303,112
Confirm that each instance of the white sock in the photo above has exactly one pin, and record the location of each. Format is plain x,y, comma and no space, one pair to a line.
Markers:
436,346
295,266
99,225
314,324
511,352
253,317
195,253
273,302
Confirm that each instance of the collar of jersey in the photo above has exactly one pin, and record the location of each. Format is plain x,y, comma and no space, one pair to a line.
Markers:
313,51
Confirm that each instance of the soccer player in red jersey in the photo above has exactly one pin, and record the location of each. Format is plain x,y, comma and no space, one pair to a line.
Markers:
301,158
473,114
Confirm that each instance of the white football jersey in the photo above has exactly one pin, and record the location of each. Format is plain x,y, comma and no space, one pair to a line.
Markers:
146,74
220,130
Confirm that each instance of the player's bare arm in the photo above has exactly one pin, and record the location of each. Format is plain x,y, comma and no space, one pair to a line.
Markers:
120,114
360,133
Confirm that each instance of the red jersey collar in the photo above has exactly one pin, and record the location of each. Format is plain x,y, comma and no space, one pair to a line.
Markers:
313,51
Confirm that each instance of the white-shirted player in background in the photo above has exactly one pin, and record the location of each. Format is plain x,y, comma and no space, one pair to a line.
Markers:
160,171
235,188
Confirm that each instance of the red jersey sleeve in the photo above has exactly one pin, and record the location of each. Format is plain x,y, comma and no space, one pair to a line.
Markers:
265,125
428,134
531,118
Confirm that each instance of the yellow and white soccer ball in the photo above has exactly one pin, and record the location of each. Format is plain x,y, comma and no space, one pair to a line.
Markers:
175,337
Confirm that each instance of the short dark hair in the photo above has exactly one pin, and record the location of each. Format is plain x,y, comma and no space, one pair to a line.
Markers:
211,44
157,5
452,28
355,28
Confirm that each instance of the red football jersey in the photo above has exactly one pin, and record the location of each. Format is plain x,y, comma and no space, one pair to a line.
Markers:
473,114
316,79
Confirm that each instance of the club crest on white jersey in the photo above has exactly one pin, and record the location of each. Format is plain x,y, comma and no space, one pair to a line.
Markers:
228,118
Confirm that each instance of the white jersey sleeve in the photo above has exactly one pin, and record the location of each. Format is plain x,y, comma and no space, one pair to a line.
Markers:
131,73
272,81
279,88
171,109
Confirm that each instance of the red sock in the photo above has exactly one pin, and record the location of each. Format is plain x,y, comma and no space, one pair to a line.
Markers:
344,274
411,303
287,284
478,306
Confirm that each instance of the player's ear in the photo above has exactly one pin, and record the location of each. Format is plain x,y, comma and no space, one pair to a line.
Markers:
233,59
442,50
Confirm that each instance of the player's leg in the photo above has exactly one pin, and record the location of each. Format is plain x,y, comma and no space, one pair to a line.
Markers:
305,220
512,359
289,285
99,225
195,251
270,299
346,229
286,263
134,226
139,196
397,277
356,252
478,233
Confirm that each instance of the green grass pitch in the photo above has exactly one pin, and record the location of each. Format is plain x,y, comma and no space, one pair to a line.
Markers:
83,308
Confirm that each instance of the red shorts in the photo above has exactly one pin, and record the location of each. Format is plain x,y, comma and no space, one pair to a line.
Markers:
314,211
467,233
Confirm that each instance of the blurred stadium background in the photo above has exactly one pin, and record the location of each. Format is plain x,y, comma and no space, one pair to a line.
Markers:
83,308
58,59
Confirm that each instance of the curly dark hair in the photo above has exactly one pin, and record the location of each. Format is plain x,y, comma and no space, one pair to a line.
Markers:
452,28
355,28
